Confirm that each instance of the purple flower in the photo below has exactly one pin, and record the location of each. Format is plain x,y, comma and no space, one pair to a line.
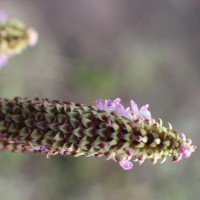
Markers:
126,164
41,148
142,112
108,105
124,112
115,106
185,150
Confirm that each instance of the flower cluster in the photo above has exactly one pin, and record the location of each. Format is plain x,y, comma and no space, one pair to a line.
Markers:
128,113
107,129
14,38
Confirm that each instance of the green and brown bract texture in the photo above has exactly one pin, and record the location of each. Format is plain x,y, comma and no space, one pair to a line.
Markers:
107,129
14,37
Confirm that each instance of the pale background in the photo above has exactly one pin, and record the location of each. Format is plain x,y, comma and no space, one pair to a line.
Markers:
146,50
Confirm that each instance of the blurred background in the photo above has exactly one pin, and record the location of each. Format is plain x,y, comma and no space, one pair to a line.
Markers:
145,50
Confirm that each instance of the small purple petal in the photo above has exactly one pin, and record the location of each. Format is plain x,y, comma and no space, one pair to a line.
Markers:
108,103
3,60
126,164
144,111
117,101
120,109
128,114
124,112
134,107
99,104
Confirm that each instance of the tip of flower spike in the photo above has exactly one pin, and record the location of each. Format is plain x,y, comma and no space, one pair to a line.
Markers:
33,36
126,164
185,150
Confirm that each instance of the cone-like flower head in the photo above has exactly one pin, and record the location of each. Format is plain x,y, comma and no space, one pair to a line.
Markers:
107,129
14,37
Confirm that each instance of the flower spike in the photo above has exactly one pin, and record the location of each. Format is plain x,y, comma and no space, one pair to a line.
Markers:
108,129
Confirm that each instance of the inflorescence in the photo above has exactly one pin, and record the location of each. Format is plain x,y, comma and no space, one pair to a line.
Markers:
107,129
14,38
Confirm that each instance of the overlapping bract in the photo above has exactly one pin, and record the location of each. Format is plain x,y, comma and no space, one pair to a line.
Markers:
107,129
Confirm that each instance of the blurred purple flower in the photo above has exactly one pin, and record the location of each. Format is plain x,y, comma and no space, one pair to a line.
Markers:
3,60
3,16
12,43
